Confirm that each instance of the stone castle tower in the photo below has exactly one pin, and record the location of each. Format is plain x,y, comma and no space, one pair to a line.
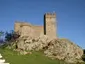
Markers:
50,24
48,28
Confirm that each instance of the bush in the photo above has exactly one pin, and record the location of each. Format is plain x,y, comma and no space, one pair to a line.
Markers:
84,51
4,46
12,36
83,57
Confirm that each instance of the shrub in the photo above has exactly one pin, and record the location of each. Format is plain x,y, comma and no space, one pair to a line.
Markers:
83,57
12,36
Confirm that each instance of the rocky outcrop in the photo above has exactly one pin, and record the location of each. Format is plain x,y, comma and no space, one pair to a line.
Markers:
64,49
61,49
29,43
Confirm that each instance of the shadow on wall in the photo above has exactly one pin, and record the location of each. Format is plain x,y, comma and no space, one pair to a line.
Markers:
44,26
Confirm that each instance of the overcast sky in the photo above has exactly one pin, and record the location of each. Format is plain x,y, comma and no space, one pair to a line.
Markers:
70,16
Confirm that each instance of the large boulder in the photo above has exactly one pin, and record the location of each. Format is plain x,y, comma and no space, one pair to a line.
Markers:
29,43
63,49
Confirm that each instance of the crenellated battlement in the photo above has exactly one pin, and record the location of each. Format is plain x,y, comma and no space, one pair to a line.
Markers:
50,15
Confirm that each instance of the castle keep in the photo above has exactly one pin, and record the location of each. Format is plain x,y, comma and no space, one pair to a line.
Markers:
48,28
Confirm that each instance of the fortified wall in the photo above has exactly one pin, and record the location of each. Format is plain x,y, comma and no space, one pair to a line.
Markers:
48,28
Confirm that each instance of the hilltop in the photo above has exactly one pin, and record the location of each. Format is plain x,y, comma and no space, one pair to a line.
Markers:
61,49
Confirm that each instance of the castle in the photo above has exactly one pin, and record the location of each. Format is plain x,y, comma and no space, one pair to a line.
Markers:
48,28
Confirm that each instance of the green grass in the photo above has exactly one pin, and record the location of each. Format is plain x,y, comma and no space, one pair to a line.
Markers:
34,58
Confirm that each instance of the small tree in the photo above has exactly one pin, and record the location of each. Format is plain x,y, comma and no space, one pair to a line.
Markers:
12,36
10,39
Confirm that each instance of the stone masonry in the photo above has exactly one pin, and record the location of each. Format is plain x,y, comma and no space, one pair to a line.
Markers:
48,28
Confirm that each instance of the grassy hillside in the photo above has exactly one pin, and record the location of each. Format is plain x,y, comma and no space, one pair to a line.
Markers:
35,58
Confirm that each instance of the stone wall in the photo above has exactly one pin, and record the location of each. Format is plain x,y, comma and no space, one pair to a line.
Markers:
25,29
48,28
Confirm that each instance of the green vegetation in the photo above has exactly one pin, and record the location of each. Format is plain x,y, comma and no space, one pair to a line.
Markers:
83,57
35,58
11,36
13,57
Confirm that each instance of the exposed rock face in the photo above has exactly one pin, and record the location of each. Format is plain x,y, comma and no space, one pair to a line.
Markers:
29,43
61,49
